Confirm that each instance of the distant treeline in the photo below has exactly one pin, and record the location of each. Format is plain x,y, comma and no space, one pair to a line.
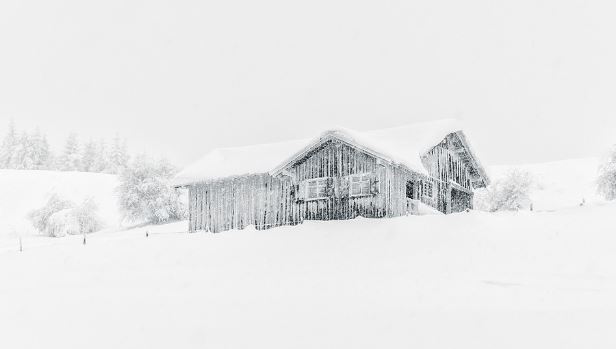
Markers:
21,150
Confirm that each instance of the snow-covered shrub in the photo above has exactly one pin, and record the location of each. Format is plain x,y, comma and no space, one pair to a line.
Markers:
511,193
86,216
62,223
40,217
146,194
606,183
62,217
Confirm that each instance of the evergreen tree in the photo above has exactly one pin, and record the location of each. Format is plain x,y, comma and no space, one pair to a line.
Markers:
8,146
46,155
31,151
606,183
88,157
40,151
70,160
118,156
101,163
23,153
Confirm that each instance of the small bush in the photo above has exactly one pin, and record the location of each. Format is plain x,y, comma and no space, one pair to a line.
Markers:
510,193
40,218
62,217
86,216
62,223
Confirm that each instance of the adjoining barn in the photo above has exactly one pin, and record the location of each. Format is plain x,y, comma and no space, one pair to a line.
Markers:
341,174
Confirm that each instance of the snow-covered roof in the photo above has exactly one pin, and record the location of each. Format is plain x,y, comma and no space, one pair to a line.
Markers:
238,161
404,145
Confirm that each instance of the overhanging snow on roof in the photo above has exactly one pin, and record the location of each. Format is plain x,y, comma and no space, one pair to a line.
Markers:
403,145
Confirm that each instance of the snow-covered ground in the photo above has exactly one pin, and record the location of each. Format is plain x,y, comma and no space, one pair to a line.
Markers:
23,191
559,184
470,280
542,279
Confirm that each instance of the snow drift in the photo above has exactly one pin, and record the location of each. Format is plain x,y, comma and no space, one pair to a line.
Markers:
542,279
467,280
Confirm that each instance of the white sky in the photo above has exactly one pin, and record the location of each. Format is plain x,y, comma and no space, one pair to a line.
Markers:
533,80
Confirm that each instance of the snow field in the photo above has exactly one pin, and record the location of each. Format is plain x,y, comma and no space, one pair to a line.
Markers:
510,280
23,191
541,279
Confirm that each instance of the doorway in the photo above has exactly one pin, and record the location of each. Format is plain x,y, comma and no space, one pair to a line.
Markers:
460,200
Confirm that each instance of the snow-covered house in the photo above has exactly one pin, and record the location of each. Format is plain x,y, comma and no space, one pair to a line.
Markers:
341,174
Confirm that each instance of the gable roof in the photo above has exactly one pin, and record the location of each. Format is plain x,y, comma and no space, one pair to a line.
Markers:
403,145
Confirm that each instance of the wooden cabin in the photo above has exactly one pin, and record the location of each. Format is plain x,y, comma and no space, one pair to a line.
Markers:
341,174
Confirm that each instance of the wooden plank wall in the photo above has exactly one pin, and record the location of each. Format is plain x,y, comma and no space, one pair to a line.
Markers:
336,160
264,201
340,160
445,166
259,200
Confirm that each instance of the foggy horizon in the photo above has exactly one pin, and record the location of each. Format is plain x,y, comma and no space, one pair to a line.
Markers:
531,82
184,157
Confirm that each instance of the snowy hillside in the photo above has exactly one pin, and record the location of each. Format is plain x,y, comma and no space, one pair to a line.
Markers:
468,280
23,191
559,184
542,279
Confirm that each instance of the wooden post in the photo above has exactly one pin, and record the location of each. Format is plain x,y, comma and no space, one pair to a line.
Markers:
448,198
191,207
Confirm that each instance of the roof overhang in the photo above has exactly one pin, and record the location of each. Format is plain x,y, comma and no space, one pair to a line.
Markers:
403,147
325,137
483,180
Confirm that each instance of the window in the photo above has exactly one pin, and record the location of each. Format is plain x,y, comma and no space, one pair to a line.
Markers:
427,189
316,188
410,190
360,185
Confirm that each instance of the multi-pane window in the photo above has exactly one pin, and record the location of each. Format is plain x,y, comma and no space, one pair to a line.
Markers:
427,189
316,188
360,184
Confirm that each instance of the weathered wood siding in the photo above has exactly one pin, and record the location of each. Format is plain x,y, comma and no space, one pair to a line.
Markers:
336,160
444,164
447,169
339,160
259,200
265,201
